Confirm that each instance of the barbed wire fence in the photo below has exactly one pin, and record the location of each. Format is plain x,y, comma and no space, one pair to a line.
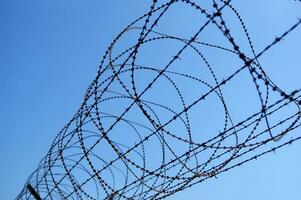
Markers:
147,130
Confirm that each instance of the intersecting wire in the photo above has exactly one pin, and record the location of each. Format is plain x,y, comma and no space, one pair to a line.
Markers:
90,159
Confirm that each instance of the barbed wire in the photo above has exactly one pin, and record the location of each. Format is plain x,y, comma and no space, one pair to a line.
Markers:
145,130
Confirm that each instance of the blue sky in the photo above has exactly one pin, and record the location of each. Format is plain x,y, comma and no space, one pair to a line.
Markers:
50,52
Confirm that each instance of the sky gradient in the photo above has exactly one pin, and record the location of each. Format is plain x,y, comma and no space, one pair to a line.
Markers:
50,52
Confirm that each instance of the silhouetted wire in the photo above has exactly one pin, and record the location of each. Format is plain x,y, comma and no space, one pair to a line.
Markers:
125,142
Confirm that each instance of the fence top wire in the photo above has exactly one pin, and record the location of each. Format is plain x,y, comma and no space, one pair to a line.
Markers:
163,114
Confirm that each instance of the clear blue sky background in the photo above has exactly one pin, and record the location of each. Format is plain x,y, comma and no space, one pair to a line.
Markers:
50,51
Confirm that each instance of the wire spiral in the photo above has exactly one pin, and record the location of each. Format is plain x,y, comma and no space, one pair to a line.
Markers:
166,112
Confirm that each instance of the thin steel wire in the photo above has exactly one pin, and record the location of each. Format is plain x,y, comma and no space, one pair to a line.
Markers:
137,134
